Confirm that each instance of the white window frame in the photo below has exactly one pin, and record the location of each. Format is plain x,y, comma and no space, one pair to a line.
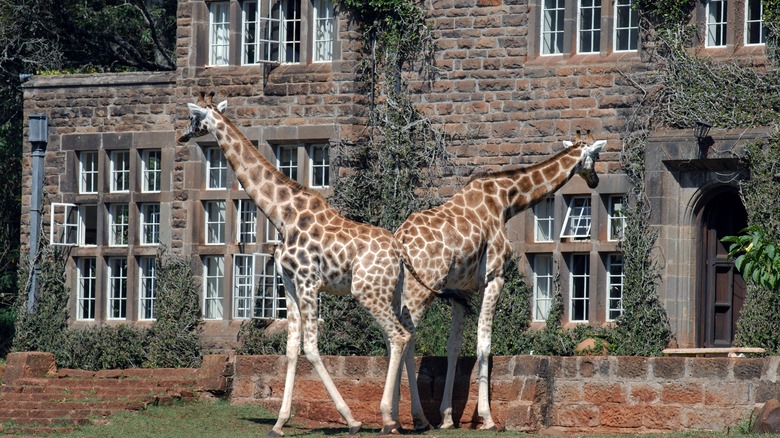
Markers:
616,218
88,172
120,171
589,26
219,33
243,285
119,228
716,24
578,221
552,27
544,220
271,300
216,169
272,235
215,214
322,164
213,286
150,223
752,21
147,287
116,305
615,282
246,221
543,286
287,165
579,286
273,34
86,298
67,232
151,160
628,30
324,30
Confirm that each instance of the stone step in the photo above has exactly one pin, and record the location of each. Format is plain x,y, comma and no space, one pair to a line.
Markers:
7,407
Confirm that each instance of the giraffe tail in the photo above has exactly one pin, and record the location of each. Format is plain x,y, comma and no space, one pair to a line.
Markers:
415,275
458,296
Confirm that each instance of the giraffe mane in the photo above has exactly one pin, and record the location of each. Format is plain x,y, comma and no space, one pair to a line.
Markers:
479,174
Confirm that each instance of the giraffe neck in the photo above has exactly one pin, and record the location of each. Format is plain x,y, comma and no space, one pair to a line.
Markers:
529,185
278,197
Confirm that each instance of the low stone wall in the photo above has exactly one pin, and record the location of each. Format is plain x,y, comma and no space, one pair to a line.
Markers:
530,393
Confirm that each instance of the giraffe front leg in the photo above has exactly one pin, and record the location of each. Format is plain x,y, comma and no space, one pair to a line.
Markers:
308,309
484,333
293,350
454,345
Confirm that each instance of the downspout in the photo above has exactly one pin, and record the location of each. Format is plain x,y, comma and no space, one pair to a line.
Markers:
39,137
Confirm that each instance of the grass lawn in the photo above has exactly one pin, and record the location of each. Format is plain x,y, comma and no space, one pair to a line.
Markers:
220,419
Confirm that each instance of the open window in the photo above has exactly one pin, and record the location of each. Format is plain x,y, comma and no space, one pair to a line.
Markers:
577,224
73,225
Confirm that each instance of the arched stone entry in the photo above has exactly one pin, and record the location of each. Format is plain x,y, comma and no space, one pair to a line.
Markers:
720,288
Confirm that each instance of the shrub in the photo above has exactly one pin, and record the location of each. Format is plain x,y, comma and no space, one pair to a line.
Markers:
253,339
7,318
174,335
104,347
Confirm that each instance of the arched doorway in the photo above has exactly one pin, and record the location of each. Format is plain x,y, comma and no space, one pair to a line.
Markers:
720,288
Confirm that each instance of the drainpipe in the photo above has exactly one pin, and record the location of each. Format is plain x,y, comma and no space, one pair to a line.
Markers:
39,137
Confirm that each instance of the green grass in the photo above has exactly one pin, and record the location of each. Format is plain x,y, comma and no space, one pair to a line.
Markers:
220,419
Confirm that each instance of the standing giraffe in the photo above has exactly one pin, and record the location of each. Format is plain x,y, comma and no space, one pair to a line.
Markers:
461,247
320,251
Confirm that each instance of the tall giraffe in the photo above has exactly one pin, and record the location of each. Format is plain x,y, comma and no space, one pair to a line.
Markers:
320,251
461,247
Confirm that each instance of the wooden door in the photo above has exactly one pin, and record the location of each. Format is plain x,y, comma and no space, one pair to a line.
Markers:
721,287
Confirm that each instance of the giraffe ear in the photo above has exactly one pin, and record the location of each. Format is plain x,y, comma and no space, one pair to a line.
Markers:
195,110
597,146
567,143
221,106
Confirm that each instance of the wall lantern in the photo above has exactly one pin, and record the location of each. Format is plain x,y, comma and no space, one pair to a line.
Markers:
701,131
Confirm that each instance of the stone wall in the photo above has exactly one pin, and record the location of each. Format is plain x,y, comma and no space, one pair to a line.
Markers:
534,393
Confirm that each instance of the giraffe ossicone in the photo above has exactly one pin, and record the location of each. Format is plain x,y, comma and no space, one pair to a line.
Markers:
320,251
462,247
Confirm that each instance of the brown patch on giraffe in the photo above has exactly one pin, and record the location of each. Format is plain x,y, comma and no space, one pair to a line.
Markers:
220,126
537,177
288,214
283,194
489,188
299,201
305,220
316,232
550,171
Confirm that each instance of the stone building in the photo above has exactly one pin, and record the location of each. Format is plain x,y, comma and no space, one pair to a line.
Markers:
515,79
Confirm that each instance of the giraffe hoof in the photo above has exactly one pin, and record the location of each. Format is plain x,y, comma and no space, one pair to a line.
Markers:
354,429
422,427
447,425
391,430
273,433
491,426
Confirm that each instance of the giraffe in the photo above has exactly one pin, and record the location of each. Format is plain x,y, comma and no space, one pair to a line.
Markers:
320,251
461,247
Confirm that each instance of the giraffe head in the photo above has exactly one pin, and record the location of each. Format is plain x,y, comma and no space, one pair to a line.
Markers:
202,117
590,153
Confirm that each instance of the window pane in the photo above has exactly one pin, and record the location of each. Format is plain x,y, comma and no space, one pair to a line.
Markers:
578,219
120,171
614,286
755,32
617,219
323,30
88,222
150,224
544,219
247,221
543,286
87,282
292,31
626,26
215,222
147,287
320,166
214,275
219,34
242,285
579,277
88,172
552,26
287,161
716,23
216,168
590,26
120,219
152,171
250,16
117,280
